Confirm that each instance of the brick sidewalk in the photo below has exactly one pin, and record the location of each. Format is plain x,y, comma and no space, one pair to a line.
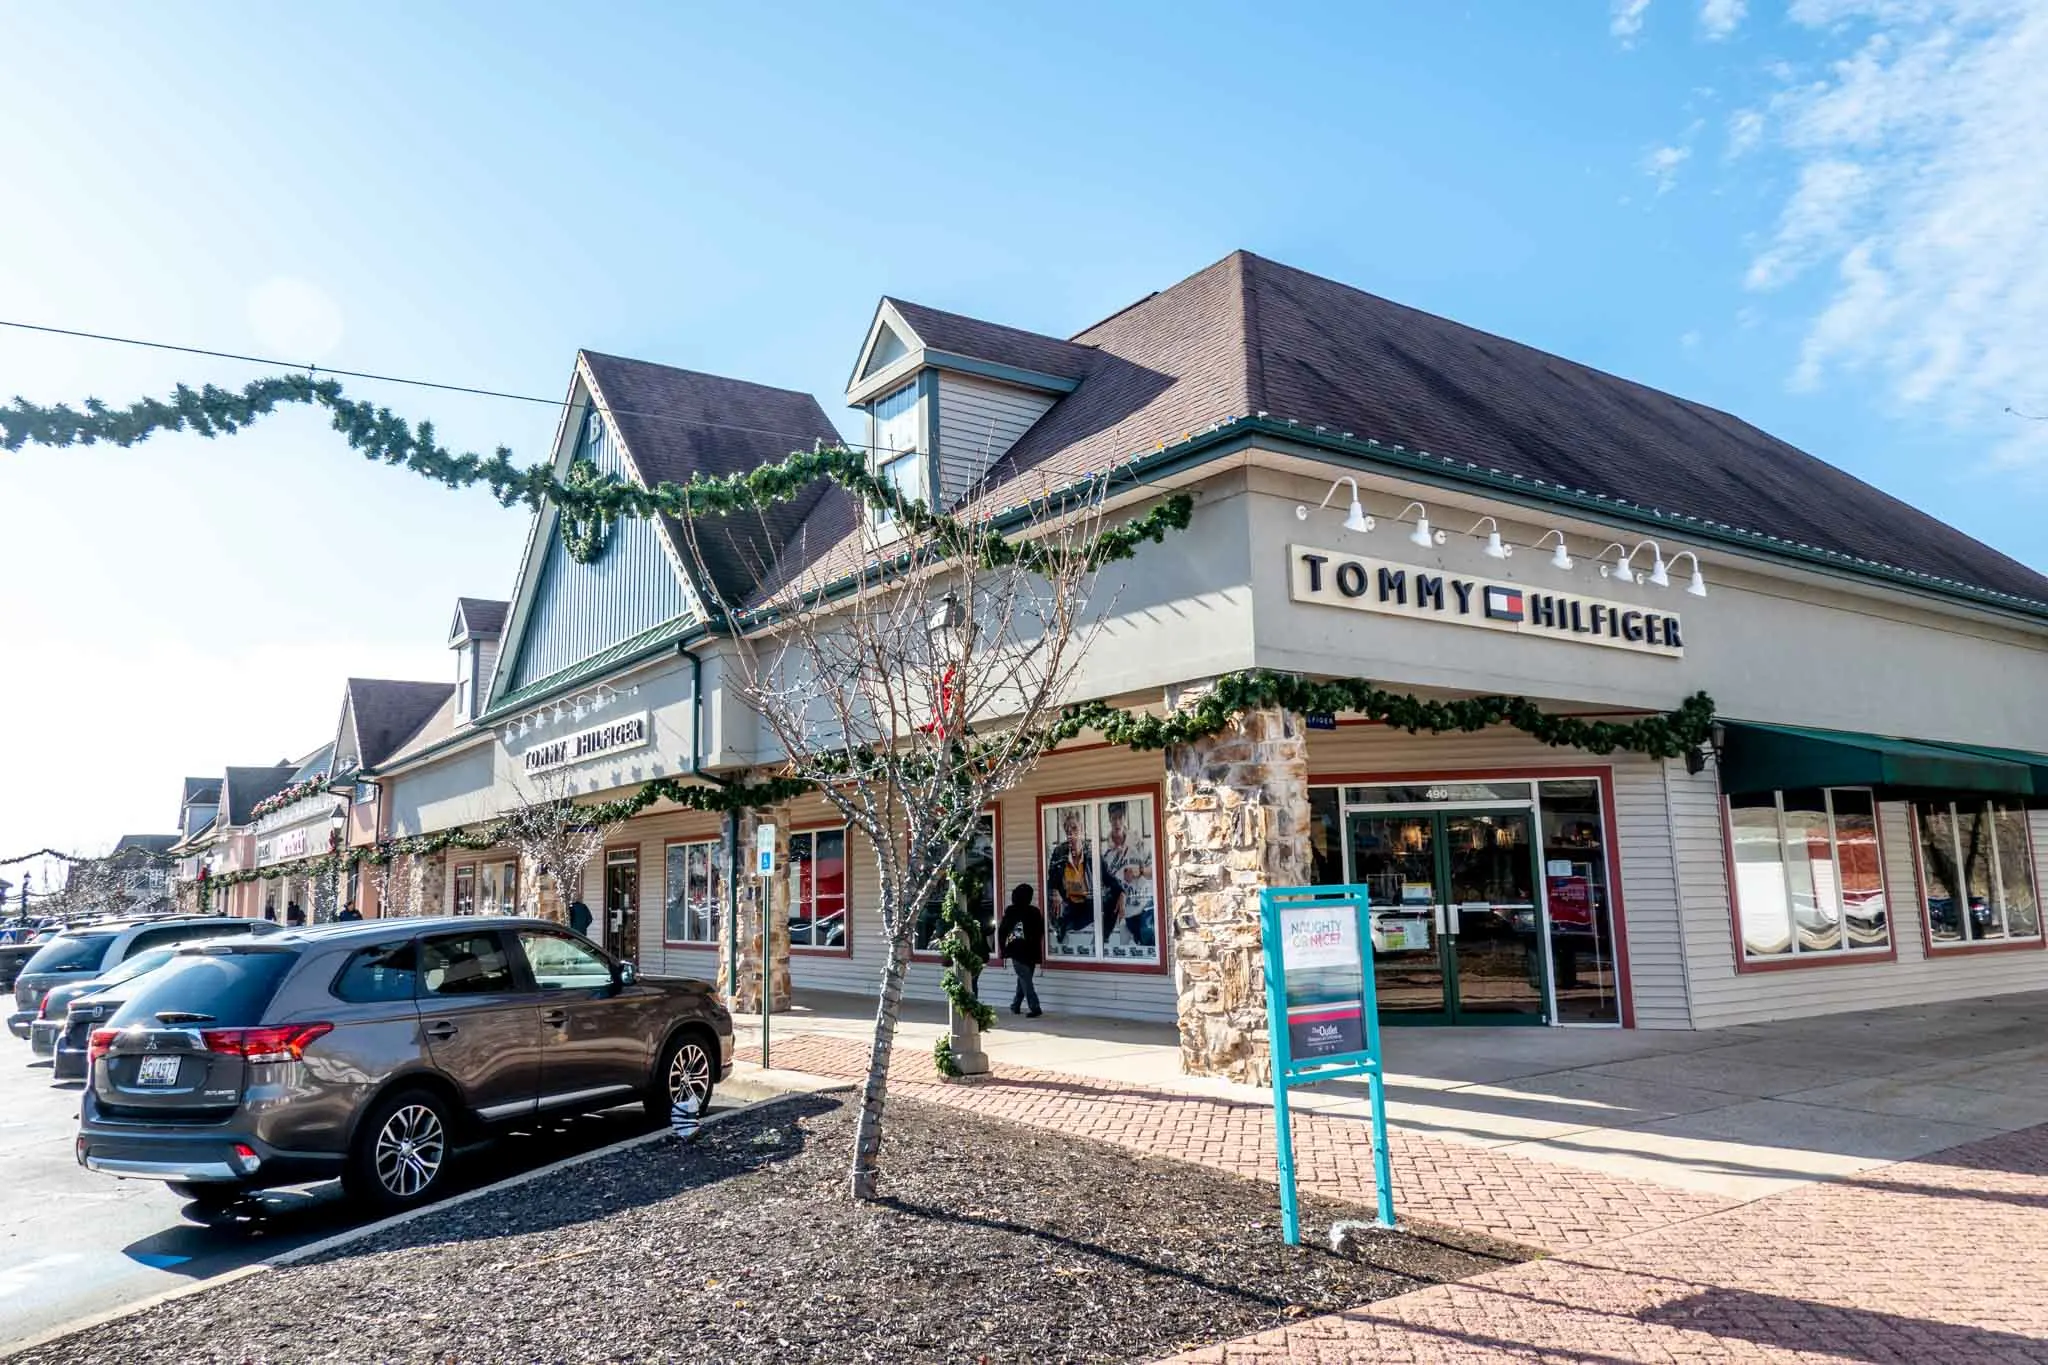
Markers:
1936,1260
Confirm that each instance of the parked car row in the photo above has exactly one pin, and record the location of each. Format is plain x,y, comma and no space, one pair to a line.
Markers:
223,1056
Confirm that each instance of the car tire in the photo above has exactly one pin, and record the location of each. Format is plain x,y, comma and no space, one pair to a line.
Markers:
401,1152
690,1056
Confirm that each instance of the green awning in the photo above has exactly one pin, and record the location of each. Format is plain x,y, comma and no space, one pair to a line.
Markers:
2035,763
1761,758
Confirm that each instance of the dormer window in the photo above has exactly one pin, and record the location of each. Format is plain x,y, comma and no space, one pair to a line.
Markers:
895,433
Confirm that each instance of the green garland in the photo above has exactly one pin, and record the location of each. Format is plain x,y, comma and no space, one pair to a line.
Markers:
298,791
590,501
963,955
1664,736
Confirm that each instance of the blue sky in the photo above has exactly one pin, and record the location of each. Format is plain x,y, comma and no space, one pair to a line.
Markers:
1824,216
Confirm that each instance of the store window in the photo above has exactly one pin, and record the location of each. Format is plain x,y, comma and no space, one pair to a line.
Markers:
465,889
1976,873
979,887
1585,967
1101,881
1325,837
497,889
694,887
1809,879
817,889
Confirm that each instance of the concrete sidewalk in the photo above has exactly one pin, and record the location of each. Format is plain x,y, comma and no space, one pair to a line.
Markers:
1736,1113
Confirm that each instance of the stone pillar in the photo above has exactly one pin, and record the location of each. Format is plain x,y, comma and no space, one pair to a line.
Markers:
745,1000
430,875
1237,820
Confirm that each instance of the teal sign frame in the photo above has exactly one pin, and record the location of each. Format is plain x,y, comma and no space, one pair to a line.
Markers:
1322,1018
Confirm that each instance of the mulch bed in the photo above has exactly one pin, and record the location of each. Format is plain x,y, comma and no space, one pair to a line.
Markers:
995,1242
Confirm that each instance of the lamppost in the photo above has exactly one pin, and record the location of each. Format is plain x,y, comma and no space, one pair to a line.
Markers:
952,635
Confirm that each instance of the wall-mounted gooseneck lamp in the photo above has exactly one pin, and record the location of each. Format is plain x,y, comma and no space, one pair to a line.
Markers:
1354,520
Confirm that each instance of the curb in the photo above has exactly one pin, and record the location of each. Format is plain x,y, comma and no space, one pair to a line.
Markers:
340,1239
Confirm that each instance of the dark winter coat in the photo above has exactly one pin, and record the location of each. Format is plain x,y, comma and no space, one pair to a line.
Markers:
1032,920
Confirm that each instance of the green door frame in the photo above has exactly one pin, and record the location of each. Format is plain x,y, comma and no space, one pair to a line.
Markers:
1452,1012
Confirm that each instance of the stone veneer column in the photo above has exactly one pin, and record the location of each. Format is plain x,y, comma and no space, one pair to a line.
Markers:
746,999
1237,820
433,881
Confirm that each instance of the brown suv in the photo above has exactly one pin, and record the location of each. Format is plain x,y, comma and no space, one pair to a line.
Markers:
369,1050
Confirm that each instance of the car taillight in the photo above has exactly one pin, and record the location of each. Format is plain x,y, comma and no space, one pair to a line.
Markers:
43,1010
282,1043
102,1039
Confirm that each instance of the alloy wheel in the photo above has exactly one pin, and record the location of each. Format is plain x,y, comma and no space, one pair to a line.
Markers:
410,1148
690,1070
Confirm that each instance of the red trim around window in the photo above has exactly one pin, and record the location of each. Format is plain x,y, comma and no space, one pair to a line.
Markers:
1840,957
2033,943
1160,918
1603,773
846,871
995,809
455,889
717,842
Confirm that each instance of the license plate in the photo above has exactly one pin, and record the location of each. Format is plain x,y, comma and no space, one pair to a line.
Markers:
158,1071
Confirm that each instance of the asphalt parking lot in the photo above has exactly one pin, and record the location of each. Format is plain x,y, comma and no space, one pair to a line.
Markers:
75,1243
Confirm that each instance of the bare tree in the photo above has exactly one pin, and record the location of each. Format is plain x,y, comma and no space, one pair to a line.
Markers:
921,686
557,836
121,884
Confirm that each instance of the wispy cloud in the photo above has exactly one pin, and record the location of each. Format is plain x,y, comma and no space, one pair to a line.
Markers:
1745,130
1661,165
1626,20
1920,194
1720,18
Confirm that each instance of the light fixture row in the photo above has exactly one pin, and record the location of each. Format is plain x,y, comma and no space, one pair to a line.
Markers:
1659,575
574,708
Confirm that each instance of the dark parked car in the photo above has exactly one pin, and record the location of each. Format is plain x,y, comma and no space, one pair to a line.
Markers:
100,994
82,952
369,1050
13,956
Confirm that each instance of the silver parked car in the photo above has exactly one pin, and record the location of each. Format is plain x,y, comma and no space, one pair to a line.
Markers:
83,951
371,1049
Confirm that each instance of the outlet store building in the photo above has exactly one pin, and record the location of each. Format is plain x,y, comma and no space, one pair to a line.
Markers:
1384,494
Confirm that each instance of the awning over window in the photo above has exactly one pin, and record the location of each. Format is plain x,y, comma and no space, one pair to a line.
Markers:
1759,758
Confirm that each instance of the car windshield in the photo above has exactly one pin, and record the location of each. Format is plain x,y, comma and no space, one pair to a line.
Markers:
69,953
230,988
136,966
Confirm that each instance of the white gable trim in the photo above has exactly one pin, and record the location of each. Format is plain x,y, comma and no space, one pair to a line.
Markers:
886,319
583,393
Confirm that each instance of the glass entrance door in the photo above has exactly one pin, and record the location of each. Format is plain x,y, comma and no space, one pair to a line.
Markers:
1455,917
622,904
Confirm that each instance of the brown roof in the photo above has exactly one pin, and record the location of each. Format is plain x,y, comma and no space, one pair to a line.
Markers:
388,713
679,423
992,341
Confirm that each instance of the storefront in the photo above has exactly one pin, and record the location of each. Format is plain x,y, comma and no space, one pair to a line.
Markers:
1861,828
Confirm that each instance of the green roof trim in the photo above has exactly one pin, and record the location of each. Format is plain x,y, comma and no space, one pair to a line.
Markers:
626,651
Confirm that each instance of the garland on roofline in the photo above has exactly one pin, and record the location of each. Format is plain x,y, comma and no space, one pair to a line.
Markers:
1665,736
297,791
590,501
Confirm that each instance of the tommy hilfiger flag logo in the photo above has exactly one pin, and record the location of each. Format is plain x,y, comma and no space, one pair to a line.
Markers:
1504,604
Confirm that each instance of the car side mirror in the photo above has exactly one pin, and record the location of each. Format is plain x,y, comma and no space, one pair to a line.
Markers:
623,974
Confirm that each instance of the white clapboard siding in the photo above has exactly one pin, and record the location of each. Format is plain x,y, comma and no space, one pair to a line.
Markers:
1722,995
979,420
1642,864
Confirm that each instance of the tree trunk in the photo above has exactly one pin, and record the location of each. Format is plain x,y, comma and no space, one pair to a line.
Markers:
867,1134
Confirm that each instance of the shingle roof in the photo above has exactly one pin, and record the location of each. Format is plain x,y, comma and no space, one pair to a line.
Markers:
1248,335
482,616
978,340
679,423
200,790
247,786
148,843
388,713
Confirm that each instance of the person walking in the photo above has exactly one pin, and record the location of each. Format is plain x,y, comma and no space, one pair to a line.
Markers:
579,917
293,915
1022,934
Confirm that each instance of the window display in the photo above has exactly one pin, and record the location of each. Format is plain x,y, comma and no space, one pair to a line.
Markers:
1808,878
694,887
817,889
1101,880
979,886
1976,872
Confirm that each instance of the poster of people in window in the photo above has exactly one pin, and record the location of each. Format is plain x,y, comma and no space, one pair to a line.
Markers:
1101,881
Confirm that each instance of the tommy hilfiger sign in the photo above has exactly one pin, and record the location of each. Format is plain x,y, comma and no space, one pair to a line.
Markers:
1340,580
626,732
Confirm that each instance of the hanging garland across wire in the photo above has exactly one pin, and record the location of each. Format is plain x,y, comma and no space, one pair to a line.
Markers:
589,501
